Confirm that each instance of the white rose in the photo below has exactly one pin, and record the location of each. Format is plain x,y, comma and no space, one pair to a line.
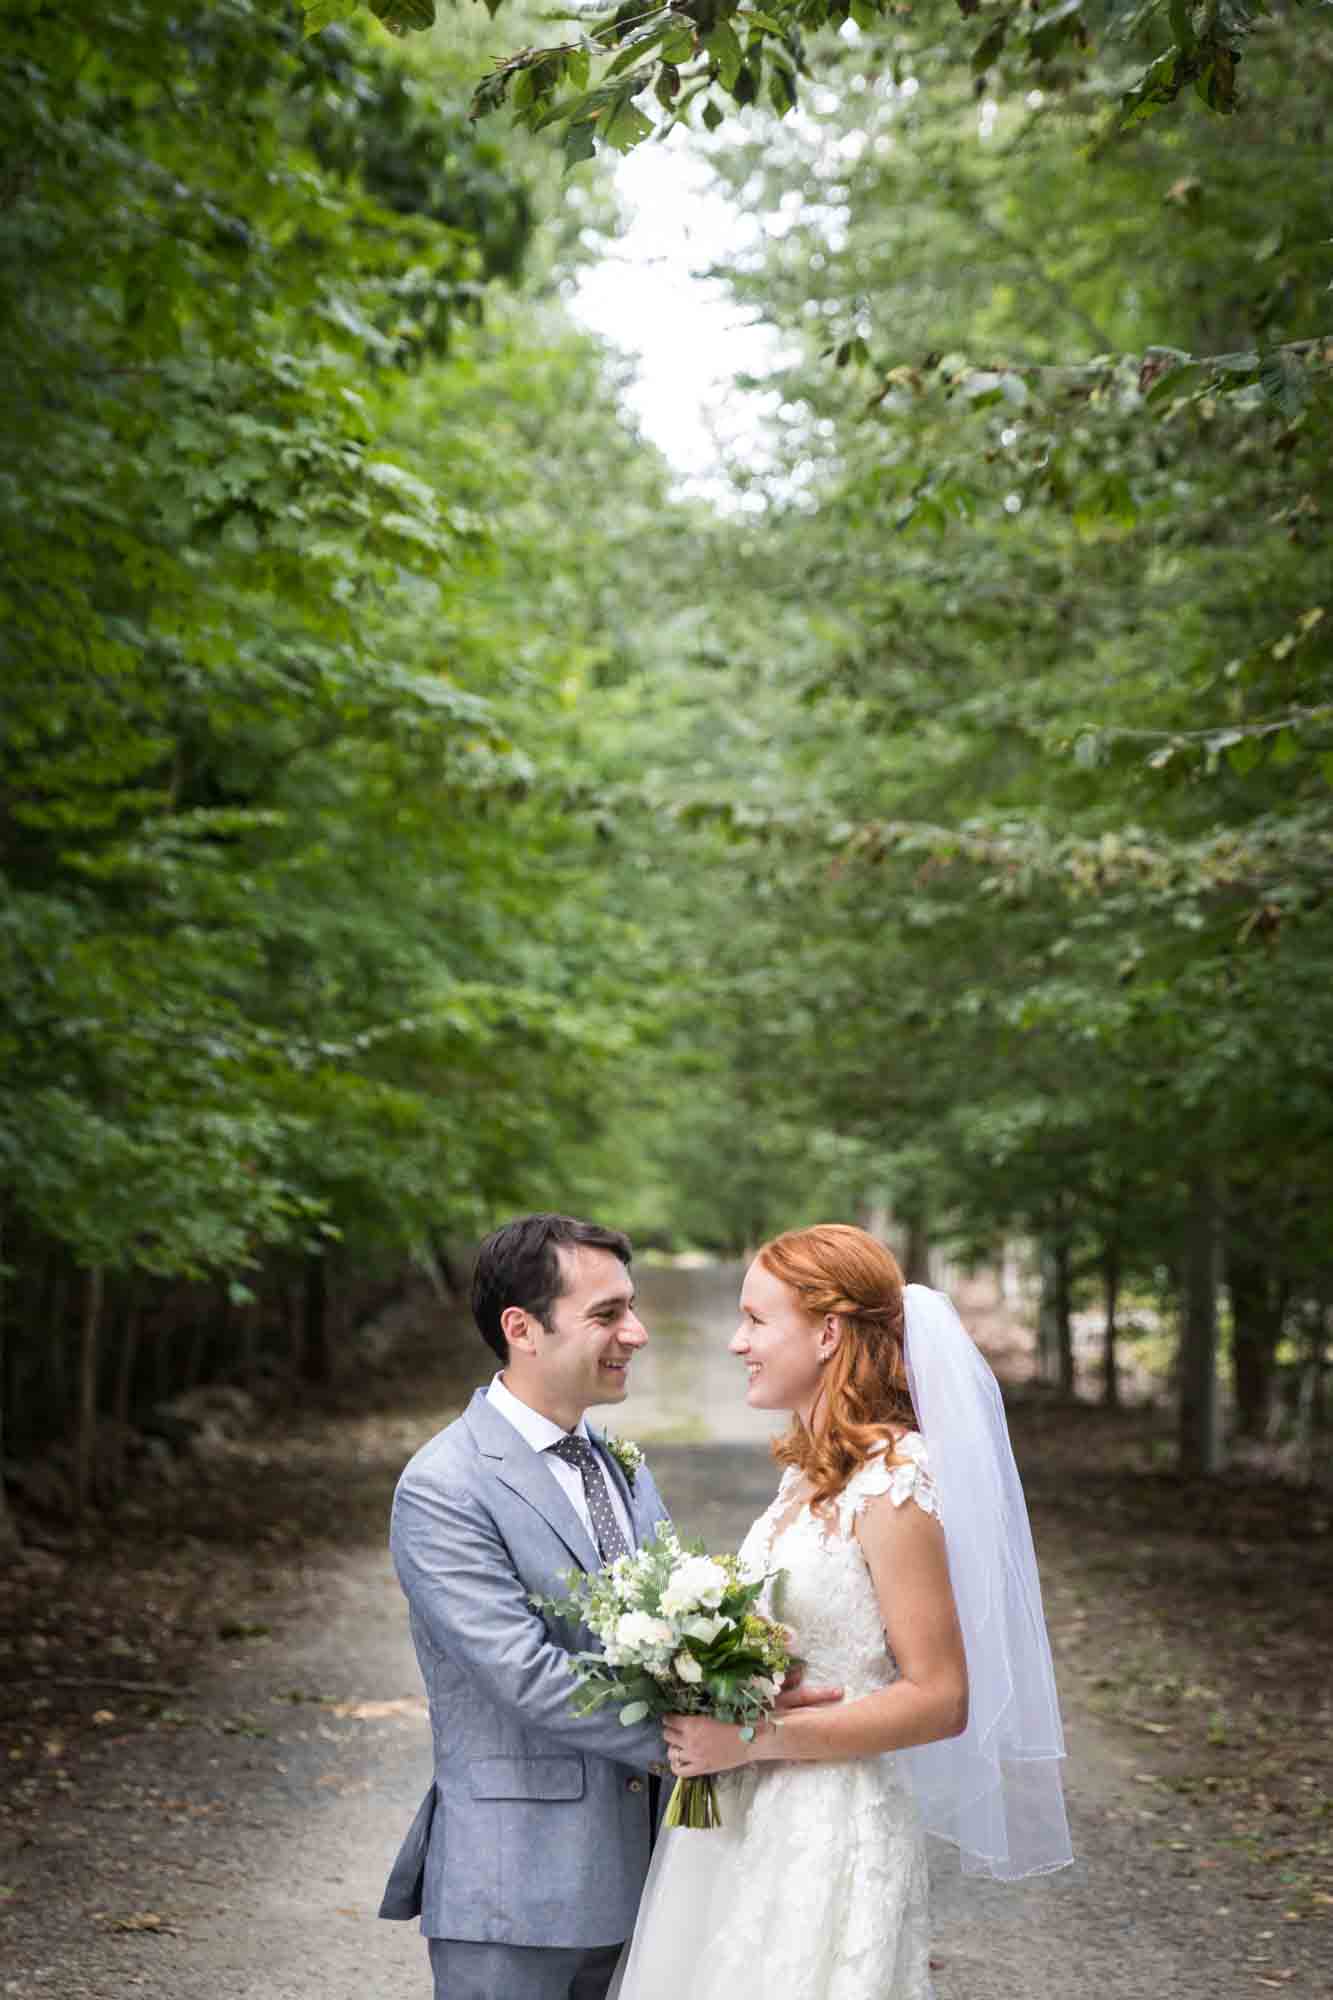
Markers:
697,1584
688,1668
639,1632
705,1629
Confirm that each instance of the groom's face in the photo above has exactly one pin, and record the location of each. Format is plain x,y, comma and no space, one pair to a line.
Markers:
584,1356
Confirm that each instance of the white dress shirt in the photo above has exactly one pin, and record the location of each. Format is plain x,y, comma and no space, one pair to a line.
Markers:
541,1434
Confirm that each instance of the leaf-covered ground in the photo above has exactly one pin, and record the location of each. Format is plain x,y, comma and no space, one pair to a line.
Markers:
1197,1618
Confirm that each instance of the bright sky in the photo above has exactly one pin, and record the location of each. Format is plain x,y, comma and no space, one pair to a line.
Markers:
688,338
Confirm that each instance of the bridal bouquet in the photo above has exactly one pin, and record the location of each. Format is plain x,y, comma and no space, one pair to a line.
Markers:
679,1636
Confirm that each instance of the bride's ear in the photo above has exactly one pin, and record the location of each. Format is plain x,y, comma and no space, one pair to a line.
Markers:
830,1334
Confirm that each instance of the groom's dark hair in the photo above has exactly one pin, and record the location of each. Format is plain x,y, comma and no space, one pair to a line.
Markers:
519,1265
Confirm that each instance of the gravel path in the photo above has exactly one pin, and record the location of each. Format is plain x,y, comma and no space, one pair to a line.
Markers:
235,1849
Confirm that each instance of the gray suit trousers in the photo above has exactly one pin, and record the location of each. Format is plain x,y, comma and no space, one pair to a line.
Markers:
469,1971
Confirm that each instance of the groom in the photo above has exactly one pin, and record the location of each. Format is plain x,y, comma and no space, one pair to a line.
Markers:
527,1858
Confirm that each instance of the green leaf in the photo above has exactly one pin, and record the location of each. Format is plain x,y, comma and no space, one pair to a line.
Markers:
637,50
625,127
1284,381
1160,84
712,114
590,101
725,50
401,17
991,45
1216,84
1050,30
579,143
322,13
632,1712
1181,16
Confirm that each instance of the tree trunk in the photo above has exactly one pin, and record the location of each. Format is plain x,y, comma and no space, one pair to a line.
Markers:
1111,1304
1055,1314
123,1392
8,1531
1048,1341
1062,1263
1257,1306
316,1353
249,1338
916,1249
440,1274
1311,1414
85,1440
54,1377
1199,1441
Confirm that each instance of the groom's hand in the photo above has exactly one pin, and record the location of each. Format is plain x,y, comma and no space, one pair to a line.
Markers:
795,1693
798,1695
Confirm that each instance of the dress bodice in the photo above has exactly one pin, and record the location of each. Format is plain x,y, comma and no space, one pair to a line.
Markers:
820,1583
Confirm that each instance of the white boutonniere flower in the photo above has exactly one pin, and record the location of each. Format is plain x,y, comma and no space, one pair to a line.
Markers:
626,1454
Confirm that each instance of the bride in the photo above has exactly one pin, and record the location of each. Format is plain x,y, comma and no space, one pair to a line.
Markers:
899,1552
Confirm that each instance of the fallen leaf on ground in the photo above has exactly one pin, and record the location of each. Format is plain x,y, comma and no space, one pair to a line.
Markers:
143,1920
377,1711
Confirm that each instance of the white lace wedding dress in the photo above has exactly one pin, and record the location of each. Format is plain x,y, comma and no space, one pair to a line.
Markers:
815,1885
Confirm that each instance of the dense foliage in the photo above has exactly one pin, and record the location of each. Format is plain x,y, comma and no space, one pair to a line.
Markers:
1126,59
283,880
1028,774
411,812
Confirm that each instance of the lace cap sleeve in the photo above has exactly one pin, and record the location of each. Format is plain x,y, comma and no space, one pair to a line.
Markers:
908,1480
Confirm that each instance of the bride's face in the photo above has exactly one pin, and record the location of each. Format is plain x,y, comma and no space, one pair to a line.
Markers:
779,1343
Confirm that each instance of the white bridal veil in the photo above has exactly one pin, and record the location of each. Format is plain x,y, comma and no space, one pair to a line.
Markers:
995,1791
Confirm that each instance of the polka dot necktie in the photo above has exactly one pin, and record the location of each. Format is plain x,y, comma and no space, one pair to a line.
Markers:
607,1531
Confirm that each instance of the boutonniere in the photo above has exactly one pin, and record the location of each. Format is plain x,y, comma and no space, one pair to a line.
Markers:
626,1454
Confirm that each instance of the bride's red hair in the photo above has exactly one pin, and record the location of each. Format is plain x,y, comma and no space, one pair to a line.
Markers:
865,1398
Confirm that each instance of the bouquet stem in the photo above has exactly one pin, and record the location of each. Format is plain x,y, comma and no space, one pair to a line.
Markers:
693,1802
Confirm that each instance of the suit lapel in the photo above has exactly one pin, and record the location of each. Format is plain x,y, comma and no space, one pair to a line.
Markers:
516,1465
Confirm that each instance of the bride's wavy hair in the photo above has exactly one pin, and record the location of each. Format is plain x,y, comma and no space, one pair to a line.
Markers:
834,1268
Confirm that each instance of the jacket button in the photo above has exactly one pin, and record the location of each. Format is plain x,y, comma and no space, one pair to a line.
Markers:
636,1784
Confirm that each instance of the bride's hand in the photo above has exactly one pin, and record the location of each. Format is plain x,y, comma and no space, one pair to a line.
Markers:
697,1746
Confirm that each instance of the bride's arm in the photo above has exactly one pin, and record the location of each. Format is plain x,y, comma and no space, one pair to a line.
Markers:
904,1549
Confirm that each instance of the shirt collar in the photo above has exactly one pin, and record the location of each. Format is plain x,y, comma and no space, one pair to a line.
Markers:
535,1429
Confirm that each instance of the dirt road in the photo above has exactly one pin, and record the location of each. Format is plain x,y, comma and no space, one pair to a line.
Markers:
234,1847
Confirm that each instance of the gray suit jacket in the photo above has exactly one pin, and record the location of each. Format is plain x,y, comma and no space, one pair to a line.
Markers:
536,1829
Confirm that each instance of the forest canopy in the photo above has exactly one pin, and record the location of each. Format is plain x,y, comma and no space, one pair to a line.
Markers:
415,809
1114,64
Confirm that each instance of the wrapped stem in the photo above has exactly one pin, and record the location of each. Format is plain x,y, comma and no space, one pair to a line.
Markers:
693,1803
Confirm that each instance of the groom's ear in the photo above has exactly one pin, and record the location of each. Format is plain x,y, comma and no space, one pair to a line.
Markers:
516,1326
